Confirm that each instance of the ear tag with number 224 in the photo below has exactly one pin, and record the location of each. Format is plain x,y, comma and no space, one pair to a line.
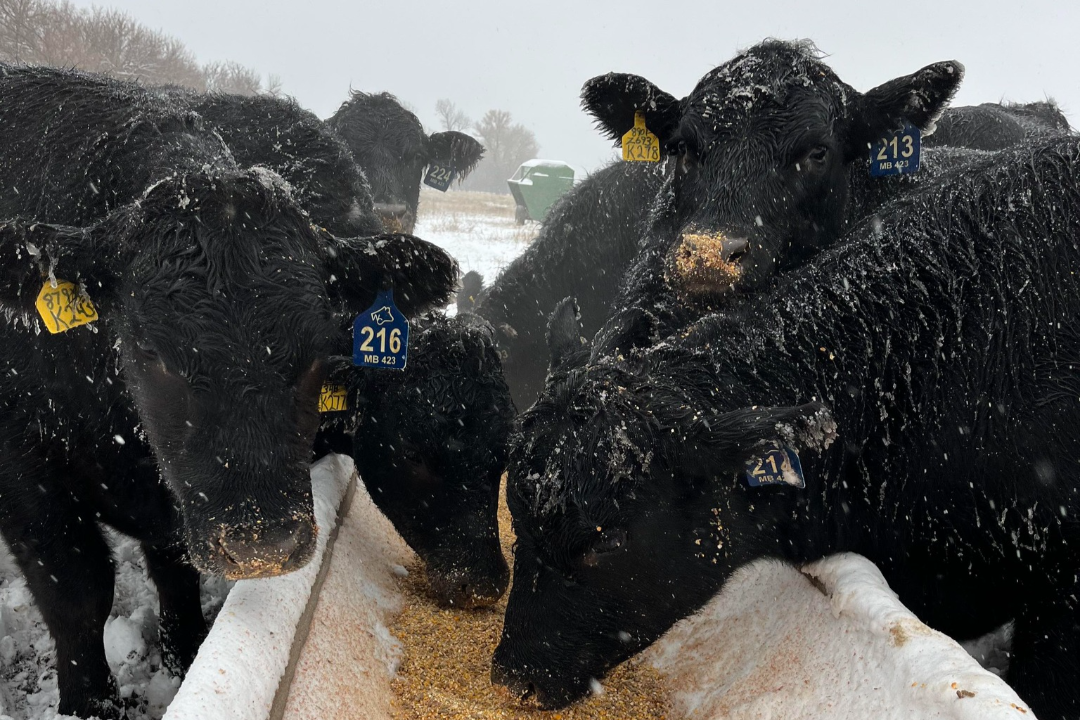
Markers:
63,306
638,144
381,335
439,177
897,154
778,466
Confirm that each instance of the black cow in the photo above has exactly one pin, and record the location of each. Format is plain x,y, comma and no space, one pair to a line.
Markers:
279,134
452,530
583,248
431,445
390,145
591,237
995,126
943,337
185,415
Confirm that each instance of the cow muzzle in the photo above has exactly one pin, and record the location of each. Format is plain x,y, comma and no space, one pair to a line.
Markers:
395,217
258,551
704,266
469,588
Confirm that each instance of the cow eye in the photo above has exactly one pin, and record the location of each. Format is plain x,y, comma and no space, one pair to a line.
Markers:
607,541
411,454
818,155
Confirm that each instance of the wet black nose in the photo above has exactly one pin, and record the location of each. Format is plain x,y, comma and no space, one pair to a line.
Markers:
395,217
265,551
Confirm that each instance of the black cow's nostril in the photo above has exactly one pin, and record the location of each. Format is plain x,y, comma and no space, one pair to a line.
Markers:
733,250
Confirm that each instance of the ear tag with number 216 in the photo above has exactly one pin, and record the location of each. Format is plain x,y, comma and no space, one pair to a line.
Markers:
897,154
779,466
439,177
381,335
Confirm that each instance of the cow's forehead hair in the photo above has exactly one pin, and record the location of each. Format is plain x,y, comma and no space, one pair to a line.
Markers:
760,81
591,441
228,277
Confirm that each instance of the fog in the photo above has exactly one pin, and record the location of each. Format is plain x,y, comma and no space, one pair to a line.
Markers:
531,58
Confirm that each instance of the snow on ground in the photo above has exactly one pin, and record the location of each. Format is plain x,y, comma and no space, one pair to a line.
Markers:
476,228
27,657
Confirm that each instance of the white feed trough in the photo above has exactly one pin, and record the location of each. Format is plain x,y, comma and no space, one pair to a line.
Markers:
773,644
829,641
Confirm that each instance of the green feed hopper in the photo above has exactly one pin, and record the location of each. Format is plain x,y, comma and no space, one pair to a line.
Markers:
536,186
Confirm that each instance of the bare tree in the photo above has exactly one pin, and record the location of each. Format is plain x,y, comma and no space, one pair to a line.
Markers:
232,77
450,117
506,145
274,85
48,32
19,23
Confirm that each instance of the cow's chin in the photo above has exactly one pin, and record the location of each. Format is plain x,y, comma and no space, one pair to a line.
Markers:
535,693
243,553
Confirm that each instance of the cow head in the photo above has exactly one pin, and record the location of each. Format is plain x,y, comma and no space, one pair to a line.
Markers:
629,512
219,295
391,147
762,152
430,444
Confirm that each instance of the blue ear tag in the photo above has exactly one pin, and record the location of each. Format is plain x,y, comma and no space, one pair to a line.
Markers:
381,335
779,466
897,154
439,177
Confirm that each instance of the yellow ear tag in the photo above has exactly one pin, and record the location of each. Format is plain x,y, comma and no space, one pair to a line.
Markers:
63,306
640,145
333,399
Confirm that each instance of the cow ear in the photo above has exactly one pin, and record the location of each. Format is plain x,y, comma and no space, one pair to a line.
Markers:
32,253
456,150
919,99
630,328
613,99
733,438
471,285
421,274
564,338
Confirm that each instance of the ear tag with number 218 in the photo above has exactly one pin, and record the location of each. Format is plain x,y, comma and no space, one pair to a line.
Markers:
897,154
778,466
381,335
638,144
439,177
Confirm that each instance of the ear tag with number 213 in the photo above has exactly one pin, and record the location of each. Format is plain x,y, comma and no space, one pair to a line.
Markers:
381,335
778,466
897,154
439,177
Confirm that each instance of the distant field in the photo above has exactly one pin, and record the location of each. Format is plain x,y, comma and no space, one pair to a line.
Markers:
476,228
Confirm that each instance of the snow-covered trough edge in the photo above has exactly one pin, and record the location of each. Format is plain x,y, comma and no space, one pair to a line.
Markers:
831,640
243,669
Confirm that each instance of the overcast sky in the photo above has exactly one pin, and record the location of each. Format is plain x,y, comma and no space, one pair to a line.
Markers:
531,56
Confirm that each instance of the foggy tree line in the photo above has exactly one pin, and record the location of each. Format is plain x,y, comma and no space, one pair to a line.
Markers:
506,145
47,32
